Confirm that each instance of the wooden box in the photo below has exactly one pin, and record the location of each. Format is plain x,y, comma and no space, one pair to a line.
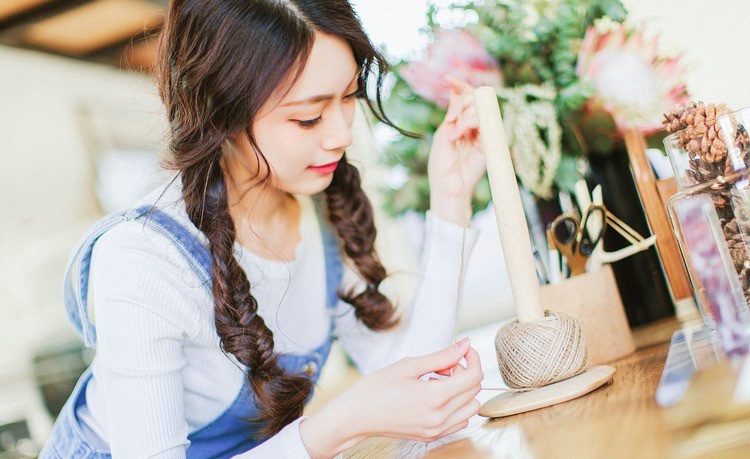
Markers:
593,298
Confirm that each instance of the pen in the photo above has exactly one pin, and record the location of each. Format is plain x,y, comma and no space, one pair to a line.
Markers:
541,268
555,270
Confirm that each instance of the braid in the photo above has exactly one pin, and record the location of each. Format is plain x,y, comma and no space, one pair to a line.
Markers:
279,396
351,214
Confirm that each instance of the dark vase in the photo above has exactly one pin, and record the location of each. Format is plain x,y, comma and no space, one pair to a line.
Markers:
640,278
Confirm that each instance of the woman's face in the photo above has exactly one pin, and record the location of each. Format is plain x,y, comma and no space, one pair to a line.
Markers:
303,133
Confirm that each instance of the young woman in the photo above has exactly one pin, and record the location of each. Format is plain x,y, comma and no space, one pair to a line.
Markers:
217,299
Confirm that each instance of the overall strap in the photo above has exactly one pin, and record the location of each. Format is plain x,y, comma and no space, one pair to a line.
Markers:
331,252
76,282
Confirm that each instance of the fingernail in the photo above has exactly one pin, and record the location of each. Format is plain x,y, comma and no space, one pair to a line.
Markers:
463,344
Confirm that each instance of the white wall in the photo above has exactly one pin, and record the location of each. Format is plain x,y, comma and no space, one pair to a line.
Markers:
45,203
715,39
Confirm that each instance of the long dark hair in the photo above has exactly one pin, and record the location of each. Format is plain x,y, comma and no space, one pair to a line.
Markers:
220,61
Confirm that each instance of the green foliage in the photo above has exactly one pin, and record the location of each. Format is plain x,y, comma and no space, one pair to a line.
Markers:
567,173
572,97
536,42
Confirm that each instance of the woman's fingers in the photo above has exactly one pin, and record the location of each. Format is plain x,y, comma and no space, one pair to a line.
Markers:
463,385
468,118
466,121
457,103
460,96
449,371
471,363
440,360
458,85
458,401
452,113
467,125
465,376
461,91
453,421
460,419
465,103
446,372
471,358
465,405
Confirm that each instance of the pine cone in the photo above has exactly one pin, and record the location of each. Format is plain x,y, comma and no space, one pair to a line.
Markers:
742,141
673,119
729,228
738,252
720,199
699,135
744,277
737,248
702,172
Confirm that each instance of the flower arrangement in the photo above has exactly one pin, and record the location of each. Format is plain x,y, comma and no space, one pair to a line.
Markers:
570,77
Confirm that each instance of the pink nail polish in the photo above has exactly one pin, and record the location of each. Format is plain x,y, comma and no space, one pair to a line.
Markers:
463,344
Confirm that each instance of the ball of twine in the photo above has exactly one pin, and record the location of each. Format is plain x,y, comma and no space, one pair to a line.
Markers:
534,354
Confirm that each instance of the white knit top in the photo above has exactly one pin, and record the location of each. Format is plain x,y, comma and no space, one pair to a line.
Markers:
159,373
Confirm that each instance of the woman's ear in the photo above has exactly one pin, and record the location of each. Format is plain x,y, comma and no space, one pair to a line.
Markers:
229,146
240,158
237,140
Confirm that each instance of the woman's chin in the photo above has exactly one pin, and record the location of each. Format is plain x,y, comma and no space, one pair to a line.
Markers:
312,186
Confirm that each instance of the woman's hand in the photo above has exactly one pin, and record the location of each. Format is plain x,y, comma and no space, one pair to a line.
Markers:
456,163
397,401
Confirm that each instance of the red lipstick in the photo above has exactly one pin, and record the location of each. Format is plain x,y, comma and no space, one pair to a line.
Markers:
325,169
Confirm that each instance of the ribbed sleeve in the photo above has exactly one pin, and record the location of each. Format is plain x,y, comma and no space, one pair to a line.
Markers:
287,444
429,318
140,331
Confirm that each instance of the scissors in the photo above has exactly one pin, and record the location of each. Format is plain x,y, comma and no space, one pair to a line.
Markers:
573,238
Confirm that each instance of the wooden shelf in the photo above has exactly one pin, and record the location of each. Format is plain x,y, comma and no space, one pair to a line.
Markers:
654,194
94,26
10,8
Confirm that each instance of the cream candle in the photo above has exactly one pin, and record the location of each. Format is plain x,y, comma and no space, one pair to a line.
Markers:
506,199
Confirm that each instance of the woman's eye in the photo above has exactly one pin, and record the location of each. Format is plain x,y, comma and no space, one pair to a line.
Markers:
308,123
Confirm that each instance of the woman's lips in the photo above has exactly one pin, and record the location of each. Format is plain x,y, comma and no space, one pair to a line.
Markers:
325,169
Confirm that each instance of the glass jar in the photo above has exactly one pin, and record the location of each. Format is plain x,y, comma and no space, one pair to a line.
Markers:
710,215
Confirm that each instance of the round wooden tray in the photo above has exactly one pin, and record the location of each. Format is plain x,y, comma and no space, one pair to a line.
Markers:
509,403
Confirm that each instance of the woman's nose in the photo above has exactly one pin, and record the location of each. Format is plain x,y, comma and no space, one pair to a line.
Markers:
338,133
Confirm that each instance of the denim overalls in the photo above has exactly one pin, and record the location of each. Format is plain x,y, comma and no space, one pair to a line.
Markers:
229,434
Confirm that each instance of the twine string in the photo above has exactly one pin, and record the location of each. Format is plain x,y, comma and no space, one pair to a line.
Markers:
535,354
463,240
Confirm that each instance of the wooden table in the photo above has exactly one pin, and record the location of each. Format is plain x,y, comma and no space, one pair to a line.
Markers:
619,420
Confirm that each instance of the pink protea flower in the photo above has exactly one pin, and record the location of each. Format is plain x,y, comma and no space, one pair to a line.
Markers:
458,54
633,84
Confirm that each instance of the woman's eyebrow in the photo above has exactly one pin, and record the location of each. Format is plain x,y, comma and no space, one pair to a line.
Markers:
317,99
309,101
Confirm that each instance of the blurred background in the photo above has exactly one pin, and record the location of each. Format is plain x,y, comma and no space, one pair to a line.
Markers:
81,133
